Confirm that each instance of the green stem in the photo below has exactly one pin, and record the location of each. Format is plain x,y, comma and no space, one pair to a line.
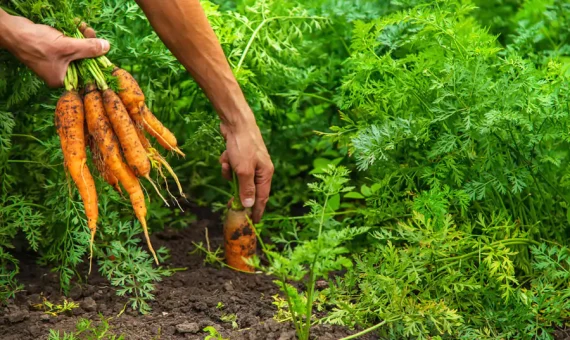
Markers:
258,28
311,291
23,204
104,62
236,202
512,241
67,80
97,74
291,309
346,212
368,330
28,136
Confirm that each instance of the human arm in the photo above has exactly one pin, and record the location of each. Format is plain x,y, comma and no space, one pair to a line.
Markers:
44,49
183,27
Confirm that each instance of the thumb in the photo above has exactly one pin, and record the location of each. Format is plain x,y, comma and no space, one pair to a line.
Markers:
87,48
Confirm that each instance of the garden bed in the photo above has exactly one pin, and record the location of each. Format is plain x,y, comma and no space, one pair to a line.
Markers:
185,303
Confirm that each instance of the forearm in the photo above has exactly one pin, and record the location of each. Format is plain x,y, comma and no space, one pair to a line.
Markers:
183,27
4,28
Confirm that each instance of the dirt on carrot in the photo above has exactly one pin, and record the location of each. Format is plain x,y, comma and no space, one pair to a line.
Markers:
133,98
240,241
103,133
70,125
126,133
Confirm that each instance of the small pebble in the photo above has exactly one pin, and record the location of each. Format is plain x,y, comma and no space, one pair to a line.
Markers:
188,327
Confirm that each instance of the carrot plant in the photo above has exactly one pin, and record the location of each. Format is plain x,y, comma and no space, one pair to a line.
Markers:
315,250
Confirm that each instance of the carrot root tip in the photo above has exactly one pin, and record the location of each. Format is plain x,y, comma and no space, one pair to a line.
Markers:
178,151
156,189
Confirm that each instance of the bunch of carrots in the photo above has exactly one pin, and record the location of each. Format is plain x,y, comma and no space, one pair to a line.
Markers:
114,126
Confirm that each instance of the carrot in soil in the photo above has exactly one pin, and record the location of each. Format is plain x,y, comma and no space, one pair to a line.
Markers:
133,98
240,241
70,125
102,131
125,130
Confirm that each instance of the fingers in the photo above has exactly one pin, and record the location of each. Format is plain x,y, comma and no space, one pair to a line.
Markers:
85,48
226,168
246,175
56,81
263,188
87,31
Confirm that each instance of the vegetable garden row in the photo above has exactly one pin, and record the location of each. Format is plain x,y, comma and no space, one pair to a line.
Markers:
421,187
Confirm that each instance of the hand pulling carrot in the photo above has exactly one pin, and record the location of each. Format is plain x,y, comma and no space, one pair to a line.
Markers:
70,122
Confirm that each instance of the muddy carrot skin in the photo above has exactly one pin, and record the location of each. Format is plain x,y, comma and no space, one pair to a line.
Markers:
101,129
69,122
240,241
133,98
125,130
100,163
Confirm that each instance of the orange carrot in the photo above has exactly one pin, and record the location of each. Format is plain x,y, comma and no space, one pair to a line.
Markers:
133,98
100,163
69,122
240,241
125,131
102,131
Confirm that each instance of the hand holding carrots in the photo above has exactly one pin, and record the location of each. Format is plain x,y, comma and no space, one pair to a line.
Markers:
113,125
45,50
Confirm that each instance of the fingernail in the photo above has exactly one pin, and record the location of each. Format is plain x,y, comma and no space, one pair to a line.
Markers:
105,46
248,202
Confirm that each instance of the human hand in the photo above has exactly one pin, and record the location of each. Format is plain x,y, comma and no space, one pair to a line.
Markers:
44,49
247,155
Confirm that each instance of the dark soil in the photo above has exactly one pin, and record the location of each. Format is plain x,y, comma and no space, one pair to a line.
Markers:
185,303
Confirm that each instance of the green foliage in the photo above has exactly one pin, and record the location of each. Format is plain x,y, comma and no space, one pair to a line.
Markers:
432,278
127,266
87,330
55,309
319,247
213,334
472,123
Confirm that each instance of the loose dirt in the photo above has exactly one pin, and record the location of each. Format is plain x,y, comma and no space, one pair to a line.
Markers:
185,303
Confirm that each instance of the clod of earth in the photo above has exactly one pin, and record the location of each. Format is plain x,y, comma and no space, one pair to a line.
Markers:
188,327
